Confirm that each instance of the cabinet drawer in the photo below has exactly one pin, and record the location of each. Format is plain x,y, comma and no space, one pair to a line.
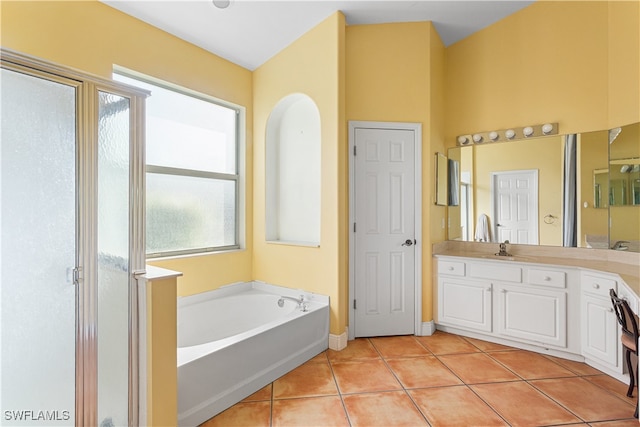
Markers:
553,278
598,285
495,271
451,268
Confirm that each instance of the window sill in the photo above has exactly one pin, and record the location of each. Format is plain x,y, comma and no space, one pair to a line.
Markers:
294,243
194,255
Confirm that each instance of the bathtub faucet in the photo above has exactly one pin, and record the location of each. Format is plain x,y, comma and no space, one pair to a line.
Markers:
302,304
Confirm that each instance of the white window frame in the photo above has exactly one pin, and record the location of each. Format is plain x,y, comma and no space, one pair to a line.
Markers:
238,178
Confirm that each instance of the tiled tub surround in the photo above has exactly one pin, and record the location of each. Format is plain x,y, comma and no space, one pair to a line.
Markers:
438,380
544,299
236,339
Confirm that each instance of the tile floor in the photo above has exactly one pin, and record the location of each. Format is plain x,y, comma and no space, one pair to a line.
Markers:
440,380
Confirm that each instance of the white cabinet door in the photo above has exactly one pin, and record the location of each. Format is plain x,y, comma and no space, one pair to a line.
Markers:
531,313
599,330
465,303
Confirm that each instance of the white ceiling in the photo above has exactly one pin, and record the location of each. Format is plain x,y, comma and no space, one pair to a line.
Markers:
249,32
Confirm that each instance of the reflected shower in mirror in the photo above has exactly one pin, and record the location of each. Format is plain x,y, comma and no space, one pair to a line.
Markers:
624,188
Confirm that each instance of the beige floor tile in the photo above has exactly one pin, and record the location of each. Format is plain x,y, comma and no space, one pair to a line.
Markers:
585,399
632,422
455,406
613,385
444,343
419,372
310,379
530,365
321,358
402,346
488,346
364,376
382,409
326,411
522,405
254,414
263,394
579,368
474,368
360,348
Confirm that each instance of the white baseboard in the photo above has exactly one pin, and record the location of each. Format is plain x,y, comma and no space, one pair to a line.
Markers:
338,342
427,329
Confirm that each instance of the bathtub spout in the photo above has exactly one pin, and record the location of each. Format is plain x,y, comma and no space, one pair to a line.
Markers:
302,304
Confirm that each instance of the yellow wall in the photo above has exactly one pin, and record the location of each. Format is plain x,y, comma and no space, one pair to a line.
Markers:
312,65
162,359
92,37
624,62
543,154
545,63
394,74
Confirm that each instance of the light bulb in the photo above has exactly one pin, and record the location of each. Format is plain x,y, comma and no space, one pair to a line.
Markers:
493,136
547,128
510,134
463,140
477,138
528,131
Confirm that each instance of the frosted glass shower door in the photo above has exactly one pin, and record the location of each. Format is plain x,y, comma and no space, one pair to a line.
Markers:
113,258
37,250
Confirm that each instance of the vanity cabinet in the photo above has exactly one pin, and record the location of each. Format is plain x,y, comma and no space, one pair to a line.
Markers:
600,330
505,299
466,303
532,314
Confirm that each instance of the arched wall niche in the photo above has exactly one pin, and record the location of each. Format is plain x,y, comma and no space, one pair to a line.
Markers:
293,162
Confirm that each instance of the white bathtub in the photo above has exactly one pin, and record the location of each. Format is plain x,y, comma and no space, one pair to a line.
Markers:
235,340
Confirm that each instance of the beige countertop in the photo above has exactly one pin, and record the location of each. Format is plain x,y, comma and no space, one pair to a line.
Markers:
624,264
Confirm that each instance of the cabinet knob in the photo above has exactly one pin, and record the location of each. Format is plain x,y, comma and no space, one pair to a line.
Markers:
450,269
596,286
547,278
489,289
504,291
610,310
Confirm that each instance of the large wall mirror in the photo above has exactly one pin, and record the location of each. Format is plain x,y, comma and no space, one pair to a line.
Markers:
518,187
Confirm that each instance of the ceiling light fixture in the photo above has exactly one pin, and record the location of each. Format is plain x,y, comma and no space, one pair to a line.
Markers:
221,4
547,128
510,134
528,131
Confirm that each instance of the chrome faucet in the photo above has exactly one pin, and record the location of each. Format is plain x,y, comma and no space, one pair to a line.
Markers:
302,304
620,245
503,249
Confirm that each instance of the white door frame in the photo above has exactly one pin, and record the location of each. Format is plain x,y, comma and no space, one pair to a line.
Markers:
417,129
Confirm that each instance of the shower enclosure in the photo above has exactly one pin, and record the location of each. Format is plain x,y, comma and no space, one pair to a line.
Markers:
71,243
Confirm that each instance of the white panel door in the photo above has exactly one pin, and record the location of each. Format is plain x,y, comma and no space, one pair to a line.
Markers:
515,206
384,232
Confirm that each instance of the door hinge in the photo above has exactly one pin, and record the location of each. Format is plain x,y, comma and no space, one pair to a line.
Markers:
354,227
354,304
354,150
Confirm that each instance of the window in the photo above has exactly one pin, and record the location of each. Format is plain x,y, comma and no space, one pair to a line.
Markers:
192,177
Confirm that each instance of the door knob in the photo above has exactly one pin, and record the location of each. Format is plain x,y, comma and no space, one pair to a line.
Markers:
408,242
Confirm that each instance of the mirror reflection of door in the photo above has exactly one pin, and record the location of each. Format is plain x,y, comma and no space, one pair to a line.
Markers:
515,206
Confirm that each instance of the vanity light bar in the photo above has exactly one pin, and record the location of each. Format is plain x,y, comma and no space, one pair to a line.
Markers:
512,134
